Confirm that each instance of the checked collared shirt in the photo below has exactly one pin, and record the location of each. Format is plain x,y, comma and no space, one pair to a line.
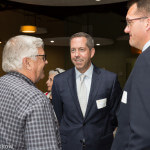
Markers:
27,119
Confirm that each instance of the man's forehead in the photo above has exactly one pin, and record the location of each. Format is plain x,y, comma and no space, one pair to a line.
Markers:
132,11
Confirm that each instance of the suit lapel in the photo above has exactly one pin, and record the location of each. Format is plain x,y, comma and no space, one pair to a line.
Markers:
73,89
94,88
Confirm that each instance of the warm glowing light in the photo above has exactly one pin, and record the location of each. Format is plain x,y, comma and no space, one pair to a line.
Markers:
98,44
52,41
28,29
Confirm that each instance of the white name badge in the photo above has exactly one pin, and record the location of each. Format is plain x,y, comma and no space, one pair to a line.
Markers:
101,103
124,97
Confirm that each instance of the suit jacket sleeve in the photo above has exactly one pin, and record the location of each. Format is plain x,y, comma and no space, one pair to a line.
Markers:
115,101
56,101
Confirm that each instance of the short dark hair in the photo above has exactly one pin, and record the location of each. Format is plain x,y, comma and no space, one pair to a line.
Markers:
90,40
142,5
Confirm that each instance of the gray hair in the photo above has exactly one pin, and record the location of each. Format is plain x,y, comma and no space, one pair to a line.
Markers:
56,71
90,40
143,6
17,48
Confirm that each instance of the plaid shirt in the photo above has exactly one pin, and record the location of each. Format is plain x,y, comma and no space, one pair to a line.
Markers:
27,119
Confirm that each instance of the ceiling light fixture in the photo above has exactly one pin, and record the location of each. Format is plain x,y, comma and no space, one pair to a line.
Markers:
98,44
52,41
28,29
97,0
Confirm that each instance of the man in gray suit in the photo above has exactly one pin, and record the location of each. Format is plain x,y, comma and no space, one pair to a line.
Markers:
85,108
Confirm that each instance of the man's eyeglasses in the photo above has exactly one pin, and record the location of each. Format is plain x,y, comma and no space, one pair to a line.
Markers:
44,57
129,21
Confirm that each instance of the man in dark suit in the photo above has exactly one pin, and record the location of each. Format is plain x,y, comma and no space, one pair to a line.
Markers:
134,113
85,109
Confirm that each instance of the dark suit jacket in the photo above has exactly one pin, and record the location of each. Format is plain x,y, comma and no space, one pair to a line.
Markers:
134,115
98,125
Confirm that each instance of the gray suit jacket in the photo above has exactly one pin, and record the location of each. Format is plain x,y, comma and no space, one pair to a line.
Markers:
95,130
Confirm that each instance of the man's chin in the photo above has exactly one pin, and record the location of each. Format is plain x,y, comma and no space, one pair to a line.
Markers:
78,67
42,75
131,43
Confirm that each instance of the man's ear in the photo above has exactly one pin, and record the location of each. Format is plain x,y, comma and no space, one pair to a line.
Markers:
92,52
27,63
148,24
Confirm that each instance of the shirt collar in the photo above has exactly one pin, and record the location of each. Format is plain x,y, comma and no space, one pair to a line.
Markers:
17,74
88,73
146,46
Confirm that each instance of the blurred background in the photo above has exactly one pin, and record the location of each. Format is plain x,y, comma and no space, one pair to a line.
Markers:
56,20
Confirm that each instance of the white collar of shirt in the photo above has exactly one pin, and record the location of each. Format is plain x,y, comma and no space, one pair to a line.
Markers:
146,46
88,73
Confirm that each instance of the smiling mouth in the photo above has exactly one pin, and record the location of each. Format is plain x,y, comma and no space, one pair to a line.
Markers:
78,60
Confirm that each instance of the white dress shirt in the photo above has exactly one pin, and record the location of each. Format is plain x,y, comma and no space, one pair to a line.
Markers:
88,79
146,46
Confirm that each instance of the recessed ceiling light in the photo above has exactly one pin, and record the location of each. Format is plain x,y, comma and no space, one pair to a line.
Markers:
52,41
97,0
98,44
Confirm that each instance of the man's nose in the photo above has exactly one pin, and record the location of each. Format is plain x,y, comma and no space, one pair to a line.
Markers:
126,29
46,61
77,53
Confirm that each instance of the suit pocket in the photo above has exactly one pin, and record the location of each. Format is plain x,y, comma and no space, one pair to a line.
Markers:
101,103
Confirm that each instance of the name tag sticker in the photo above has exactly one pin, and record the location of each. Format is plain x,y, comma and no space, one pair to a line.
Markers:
101,103
124,97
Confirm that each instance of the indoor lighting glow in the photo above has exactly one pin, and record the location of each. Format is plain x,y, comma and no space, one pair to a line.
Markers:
98,44
98,0
28,29
52,41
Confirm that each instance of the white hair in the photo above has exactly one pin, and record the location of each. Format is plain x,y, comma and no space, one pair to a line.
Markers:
56,71
17,48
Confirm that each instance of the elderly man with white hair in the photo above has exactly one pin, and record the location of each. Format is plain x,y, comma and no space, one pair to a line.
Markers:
27,120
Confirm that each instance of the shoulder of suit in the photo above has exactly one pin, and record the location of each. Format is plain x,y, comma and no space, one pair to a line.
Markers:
145,54
65,73
104,71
